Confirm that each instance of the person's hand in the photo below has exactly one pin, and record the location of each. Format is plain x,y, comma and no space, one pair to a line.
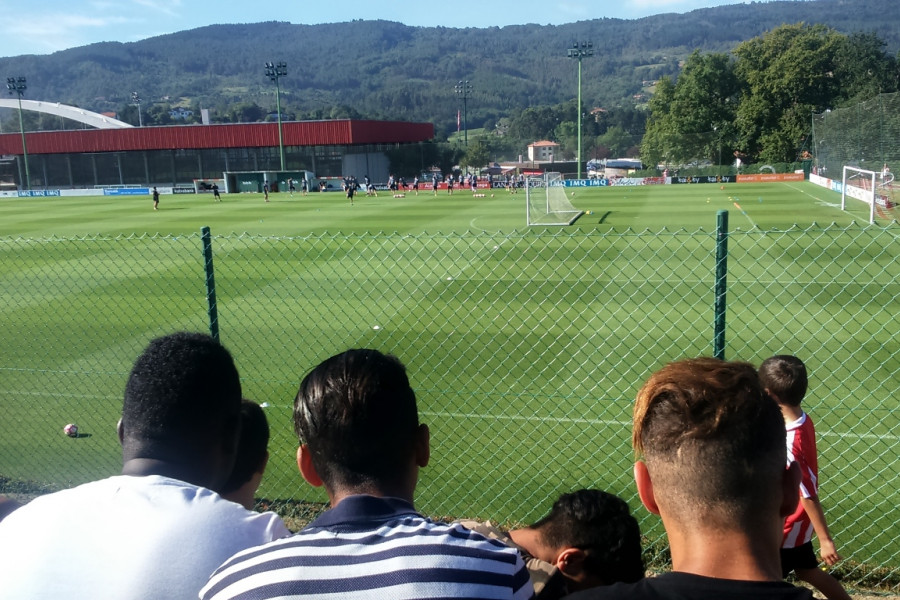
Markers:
829,552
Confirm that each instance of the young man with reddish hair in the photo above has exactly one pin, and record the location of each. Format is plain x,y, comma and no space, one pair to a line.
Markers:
712,465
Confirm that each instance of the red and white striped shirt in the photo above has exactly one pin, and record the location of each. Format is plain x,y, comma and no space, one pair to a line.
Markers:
801,448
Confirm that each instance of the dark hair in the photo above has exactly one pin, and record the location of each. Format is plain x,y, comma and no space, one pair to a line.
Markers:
181,388
712,441
785,377
600,524
252,447
357,414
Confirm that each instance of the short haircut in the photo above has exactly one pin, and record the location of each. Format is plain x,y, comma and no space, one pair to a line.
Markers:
179,387
601,525
252,447
357,414
712,441
785,377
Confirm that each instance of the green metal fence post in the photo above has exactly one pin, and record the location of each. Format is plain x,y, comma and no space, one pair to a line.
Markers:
721,282
210,284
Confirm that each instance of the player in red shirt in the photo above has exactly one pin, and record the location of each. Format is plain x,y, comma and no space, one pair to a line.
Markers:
784,378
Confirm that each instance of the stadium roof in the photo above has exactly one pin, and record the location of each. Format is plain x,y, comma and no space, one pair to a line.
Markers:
343,132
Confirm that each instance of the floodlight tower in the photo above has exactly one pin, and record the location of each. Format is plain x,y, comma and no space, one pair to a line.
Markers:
16,85
464,88
578,51
275,72
136,99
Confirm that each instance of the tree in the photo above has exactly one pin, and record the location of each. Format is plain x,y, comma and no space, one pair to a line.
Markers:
617,140
658,142
693,118
477,156
863,69
786,75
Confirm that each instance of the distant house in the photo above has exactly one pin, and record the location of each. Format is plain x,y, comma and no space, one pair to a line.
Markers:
181,113
542,151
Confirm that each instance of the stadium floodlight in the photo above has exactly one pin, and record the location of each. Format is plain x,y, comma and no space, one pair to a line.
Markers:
275,72
464,88
136,99
578,51
17,85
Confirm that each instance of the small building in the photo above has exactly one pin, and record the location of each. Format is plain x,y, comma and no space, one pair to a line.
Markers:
543,151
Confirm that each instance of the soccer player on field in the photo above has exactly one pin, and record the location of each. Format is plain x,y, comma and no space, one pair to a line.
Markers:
784,378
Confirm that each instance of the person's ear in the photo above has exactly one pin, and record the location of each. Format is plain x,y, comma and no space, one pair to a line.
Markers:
307,469
645,487
423,445
790,489
570,562
120,431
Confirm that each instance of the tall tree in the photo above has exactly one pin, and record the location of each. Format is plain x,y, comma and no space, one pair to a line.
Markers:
786,75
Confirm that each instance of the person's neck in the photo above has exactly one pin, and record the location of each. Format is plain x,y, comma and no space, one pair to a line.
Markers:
142,467
791,413
336,495
750,555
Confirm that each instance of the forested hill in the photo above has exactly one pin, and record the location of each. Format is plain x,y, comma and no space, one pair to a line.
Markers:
382,69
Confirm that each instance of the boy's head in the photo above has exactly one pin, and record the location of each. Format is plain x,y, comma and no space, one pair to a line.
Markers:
601,527
356,413
784,378
712,444
181,407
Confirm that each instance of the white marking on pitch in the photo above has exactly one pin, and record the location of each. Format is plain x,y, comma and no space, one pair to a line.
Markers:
472,225
860,436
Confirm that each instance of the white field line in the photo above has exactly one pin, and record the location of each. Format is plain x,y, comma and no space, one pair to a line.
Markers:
453,415
829,204
484,416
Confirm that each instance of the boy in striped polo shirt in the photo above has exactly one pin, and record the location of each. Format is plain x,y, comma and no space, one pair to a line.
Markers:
361,439
784,378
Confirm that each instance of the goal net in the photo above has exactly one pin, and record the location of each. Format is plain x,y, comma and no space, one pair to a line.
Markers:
546,201
874,189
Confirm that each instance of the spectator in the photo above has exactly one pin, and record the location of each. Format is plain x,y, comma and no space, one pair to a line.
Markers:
360,437
589,538
157,530
7,505
252,456
713,467
784,378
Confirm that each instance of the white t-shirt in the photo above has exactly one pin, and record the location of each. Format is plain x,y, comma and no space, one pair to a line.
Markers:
126,538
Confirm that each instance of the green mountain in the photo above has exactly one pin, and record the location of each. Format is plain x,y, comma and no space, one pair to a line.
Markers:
382,69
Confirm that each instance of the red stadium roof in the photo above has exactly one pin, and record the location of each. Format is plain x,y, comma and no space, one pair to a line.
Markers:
244,135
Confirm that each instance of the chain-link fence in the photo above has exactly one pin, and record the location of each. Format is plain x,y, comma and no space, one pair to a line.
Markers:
866,135
525,350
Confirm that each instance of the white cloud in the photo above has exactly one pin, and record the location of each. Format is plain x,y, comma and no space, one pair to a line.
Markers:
171,8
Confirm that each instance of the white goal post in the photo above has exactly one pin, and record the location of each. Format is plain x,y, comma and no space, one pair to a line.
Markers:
860,184
546,202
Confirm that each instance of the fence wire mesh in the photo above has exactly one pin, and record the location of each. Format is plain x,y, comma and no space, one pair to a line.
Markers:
525,351
866,135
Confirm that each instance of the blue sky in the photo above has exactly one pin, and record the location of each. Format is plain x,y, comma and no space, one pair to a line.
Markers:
46,26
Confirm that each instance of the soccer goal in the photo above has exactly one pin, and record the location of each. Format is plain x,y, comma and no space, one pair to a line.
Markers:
860,184
546,202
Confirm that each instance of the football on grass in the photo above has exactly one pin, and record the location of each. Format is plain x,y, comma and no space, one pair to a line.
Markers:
71,430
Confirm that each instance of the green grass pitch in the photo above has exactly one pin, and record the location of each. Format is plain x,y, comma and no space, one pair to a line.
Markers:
460,307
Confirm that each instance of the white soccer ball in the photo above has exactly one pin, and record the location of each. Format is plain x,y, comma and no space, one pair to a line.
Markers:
71,430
